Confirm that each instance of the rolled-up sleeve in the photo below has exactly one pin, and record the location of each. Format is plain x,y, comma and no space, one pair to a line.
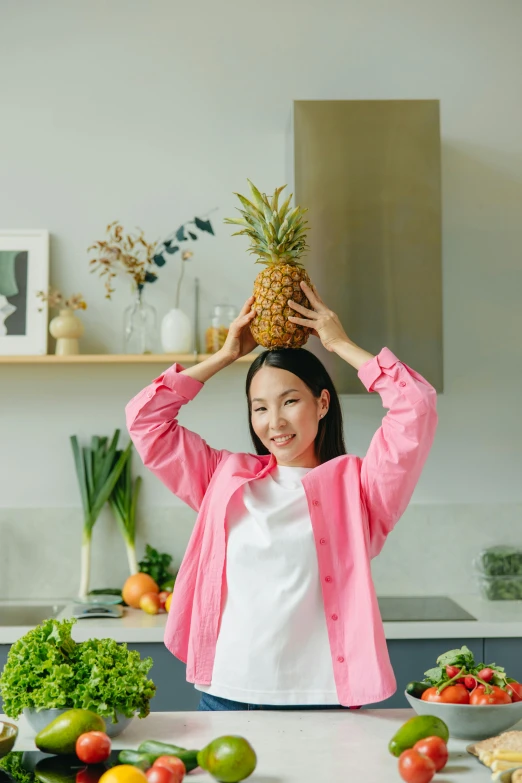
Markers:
399,449
181,459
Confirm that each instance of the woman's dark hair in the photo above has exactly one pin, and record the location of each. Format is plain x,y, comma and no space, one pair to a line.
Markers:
329,442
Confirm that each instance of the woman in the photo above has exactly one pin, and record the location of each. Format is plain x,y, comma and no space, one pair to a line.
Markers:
274,605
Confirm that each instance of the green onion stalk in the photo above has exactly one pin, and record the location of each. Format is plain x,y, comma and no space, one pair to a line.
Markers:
123,501
98,468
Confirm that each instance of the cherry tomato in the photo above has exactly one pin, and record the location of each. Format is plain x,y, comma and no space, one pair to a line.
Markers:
161,775
514,689
415,768
495,696
435,749
452,671
172,763
93,747
486,674
453,694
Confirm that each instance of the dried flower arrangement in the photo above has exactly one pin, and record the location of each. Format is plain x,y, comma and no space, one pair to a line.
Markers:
120,252
56,299
131,254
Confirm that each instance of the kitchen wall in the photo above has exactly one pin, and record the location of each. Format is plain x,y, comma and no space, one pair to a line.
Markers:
152,112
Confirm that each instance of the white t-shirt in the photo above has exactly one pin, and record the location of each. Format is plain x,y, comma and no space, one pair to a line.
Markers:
272,646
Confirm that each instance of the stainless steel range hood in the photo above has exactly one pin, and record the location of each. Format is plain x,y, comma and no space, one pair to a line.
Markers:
369,172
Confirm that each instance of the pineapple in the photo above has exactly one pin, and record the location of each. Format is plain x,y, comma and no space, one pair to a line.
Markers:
278,237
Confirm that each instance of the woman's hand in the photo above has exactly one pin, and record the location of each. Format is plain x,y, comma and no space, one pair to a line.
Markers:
323,322
239,340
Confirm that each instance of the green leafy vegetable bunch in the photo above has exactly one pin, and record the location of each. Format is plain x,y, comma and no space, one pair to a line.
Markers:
47,669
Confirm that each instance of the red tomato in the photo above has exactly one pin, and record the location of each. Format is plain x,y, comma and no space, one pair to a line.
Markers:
495,696
453,694
93,747
435,749
161,775
514,689
174,764
415,768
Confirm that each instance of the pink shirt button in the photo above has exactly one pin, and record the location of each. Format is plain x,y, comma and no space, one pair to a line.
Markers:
334,617
340,659
315,502
328,579
402,383
322,541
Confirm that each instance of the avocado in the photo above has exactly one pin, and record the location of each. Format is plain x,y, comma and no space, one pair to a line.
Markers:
415,729
61,734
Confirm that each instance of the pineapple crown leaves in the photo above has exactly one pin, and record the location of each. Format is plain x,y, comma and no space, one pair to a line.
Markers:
277,233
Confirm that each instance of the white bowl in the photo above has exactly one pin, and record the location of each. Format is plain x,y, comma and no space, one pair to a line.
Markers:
39,720
471,721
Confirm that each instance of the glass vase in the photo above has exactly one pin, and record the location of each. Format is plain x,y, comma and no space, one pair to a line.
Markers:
140,331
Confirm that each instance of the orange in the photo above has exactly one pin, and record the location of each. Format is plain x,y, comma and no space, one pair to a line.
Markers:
123,773
136,586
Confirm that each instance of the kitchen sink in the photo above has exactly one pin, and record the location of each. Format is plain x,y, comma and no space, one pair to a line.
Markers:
28,614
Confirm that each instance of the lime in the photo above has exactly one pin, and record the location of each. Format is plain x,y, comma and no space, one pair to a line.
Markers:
228,759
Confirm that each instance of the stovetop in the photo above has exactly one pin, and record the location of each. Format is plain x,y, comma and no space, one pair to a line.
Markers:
430,608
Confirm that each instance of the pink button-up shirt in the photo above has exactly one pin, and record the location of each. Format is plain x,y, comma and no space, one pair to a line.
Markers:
354,503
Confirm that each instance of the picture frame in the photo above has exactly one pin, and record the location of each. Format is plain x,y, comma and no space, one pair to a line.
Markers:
24,270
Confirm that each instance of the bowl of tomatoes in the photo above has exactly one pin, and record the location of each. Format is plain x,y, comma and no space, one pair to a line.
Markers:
472,715
475,700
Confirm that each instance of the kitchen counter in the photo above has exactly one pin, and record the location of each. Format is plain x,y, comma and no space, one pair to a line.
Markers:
295,747
495,619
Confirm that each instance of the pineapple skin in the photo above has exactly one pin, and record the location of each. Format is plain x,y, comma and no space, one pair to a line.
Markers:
273,287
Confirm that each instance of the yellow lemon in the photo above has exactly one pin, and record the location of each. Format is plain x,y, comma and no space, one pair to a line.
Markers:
123,773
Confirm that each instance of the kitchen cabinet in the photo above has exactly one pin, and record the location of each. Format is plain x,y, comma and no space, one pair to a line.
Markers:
507,653
174,693
410,659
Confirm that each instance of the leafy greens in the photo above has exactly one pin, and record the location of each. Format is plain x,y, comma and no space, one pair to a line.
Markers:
47,669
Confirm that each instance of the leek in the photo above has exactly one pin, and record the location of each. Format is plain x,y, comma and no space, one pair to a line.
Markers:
123,501
98,468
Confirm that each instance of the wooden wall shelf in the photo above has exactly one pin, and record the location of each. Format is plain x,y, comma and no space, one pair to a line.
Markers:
117,358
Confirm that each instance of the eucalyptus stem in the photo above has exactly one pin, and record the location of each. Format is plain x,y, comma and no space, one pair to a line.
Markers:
180,279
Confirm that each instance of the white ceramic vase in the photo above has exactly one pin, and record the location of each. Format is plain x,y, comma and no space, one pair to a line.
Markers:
176,332
66,328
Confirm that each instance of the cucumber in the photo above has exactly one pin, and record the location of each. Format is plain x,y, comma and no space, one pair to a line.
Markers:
156,749
141,760
159,748
416,689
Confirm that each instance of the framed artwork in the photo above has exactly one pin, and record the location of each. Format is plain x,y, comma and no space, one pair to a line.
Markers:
24,270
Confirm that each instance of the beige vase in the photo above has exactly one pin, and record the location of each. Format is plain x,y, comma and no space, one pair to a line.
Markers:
66,328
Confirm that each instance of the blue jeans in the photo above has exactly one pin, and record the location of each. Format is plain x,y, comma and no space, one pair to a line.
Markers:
210,703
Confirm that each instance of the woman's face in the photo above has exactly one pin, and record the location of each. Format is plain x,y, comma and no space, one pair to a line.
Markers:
285,416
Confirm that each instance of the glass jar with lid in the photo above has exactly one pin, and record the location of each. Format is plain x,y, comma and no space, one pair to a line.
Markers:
216,334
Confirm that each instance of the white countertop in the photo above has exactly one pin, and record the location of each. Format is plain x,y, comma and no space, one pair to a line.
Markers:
295,747
495,619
